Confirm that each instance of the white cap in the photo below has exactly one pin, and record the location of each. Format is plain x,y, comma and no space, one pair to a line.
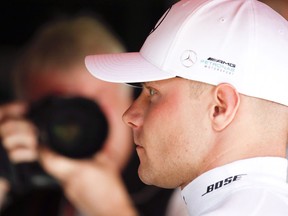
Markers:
241,42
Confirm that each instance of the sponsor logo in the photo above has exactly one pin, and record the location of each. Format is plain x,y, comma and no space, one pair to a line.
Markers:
219,65
223,183
188,58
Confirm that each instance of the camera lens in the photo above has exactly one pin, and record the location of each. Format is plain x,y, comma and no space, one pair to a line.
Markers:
72,126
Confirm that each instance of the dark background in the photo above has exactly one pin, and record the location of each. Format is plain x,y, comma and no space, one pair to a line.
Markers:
131,20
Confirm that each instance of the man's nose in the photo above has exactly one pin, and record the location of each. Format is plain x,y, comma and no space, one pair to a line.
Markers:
132,117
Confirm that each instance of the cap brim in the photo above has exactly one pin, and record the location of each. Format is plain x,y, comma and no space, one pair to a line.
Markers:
124,68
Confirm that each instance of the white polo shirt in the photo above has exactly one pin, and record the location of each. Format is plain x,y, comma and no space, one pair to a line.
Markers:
251,187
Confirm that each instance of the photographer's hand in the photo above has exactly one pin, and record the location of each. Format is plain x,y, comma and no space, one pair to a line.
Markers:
4,188
18,136
94,186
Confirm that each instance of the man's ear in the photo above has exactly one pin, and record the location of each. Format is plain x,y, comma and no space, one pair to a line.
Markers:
226,103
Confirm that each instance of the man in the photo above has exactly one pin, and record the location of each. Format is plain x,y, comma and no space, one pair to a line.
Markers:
105,184
212,117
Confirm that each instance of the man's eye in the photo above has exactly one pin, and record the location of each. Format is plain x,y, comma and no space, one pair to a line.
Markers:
152,92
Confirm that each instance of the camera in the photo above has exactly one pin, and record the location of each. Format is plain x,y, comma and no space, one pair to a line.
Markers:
72,126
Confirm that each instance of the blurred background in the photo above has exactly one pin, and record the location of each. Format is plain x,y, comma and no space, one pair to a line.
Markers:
131,20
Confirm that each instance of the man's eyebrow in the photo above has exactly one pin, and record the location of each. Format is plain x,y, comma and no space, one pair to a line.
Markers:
146,85
151,83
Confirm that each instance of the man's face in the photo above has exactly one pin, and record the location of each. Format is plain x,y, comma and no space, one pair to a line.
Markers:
171,131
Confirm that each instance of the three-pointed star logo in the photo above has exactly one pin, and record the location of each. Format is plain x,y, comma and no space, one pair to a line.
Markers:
188,58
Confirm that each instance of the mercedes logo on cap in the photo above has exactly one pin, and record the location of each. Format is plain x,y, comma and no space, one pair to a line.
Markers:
188,58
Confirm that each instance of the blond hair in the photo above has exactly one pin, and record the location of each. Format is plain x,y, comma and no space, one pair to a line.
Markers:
64,44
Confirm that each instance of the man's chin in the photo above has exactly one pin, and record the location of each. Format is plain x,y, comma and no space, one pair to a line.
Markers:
149,179
144,175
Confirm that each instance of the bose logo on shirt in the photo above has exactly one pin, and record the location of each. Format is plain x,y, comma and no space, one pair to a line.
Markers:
222,183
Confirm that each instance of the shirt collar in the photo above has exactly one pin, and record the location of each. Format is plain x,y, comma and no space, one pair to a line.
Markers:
208,188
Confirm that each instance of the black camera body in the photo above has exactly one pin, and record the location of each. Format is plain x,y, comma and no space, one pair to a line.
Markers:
71,126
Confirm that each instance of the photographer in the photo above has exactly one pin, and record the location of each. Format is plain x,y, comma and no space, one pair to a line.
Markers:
53,64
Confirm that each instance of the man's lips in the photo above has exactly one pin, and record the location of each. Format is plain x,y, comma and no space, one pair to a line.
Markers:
139,149
138,145
136,140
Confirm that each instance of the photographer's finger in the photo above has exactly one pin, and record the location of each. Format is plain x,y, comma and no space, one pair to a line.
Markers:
19,140
62,168
22,154
12,110
17,126
18,144
4,189
104,160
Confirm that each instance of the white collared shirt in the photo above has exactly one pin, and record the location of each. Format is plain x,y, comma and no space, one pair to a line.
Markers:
250,187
